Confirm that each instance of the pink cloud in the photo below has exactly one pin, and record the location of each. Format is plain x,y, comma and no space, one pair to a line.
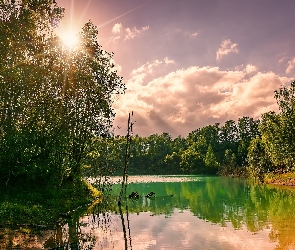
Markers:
226,47
126,33
132,33
186,99
250,68
117,28
291,66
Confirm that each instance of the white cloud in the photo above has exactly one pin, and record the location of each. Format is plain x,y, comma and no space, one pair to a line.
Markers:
186,99
250,68
283,59
291,66
226,47
194,34
132,33
168,61
148,67
117,28
126,33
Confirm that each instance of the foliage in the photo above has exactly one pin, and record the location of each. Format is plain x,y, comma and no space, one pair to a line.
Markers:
257,158
53,100
208,150
275,151
43,206
210,160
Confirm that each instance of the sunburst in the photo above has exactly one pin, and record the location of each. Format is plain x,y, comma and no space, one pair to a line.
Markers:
70,39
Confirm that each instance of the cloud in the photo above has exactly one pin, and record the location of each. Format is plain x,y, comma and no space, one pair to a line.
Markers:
187,99
117,28
226,47
291,66
126,33
167,61
283,59
131,34
148,71
182,32
250,68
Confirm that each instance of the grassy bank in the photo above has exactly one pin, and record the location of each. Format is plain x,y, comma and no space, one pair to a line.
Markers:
43,207
285,179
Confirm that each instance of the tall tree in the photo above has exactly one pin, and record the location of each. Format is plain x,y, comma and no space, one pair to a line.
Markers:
247,131
278,130
210,161
53,100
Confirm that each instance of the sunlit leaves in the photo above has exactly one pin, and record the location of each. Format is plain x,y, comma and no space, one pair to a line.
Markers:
53,101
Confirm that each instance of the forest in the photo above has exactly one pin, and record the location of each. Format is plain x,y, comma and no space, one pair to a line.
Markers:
56,115
56,118
248,147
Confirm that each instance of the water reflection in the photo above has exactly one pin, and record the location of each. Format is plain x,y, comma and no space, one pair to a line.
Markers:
199,213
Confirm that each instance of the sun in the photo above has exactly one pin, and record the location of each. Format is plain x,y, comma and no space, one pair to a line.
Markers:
69,39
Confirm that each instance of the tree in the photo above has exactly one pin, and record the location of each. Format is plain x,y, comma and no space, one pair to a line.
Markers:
228,132
278,130
210,161
191,162
258,160
53,101
247,131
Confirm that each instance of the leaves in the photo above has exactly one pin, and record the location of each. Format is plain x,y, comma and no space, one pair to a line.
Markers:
53,100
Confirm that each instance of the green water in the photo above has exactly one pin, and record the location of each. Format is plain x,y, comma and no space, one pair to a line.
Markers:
185,213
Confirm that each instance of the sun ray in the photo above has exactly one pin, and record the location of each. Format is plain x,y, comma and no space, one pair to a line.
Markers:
84,10
68,33
124,14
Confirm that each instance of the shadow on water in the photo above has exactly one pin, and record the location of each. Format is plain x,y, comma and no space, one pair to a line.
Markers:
219,201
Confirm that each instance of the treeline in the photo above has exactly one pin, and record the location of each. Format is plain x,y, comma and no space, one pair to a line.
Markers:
274,150
208,150
246,147
56,113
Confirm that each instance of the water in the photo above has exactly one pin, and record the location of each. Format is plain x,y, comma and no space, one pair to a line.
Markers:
186,212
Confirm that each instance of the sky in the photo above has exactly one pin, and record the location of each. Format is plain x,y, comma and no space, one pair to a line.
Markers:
191,63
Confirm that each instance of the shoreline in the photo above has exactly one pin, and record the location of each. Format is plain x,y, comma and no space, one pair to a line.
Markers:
284,179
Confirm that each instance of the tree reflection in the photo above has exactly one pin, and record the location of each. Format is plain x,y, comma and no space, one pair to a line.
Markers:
216,200
126,237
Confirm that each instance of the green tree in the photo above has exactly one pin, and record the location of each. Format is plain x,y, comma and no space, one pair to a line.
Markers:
248,129
278,130
191,162
210,161
258,160
229,163
53,100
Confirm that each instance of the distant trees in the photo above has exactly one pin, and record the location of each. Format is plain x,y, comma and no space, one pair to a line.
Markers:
248,147
209,150
53,100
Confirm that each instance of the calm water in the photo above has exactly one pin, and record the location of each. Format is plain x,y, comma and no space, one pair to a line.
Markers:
185,213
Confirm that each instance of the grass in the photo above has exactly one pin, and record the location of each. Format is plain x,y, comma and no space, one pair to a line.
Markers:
286,179
43,207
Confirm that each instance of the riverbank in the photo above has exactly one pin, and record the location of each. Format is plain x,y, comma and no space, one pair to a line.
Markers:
285,179
42,207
